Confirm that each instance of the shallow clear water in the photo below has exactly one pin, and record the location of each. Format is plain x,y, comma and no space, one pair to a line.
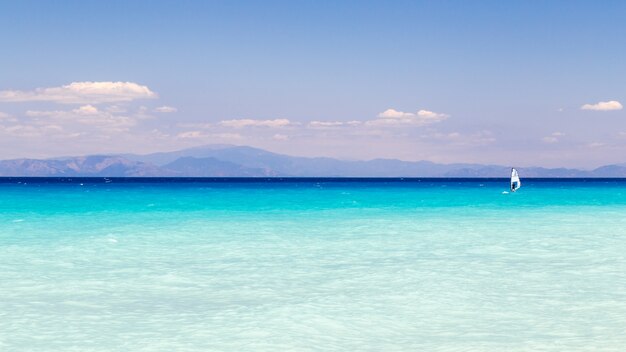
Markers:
329,266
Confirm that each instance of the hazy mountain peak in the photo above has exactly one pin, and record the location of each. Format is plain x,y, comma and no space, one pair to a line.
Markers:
223,160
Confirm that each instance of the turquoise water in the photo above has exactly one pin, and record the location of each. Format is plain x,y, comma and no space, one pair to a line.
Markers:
313,266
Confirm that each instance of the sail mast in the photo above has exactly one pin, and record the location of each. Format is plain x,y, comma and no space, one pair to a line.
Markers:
515,181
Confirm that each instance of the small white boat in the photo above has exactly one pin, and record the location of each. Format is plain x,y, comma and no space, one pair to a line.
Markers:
515,181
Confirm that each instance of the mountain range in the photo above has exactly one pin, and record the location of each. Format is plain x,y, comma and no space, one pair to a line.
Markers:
243,161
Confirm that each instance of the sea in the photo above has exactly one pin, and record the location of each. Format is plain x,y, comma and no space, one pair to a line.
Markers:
291,264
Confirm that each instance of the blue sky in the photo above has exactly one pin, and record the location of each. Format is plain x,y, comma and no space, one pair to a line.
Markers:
447,81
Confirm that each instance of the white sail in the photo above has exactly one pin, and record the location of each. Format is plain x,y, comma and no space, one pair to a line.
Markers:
515,181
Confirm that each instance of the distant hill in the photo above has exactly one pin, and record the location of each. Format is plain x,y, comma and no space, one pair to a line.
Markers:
242,161
96,165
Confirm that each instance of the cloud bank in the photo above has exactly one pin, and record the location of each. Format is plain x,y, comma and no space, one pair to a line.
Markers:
82,93
101,121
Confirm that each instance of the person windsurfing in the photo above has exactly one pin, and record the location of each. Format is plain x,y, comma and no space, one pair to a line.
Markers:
515,181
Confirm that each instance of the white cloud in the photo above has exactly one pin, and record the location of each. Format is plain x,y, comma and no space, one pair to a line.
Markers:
550,139
86,110
425,114
322,124
53,128
227,135
116,109
442,136
553,138
25,130
395,117
454,135
165,109
202,134
21,131
37,113
143,113
201,125
595,145
603,106
192,134
255,123
4,118
82,93
84,115
280,137
395,114
331,124
83,110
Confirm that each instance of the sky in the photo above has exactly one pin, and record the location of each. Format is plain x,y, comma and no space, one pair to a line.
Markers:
524,83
